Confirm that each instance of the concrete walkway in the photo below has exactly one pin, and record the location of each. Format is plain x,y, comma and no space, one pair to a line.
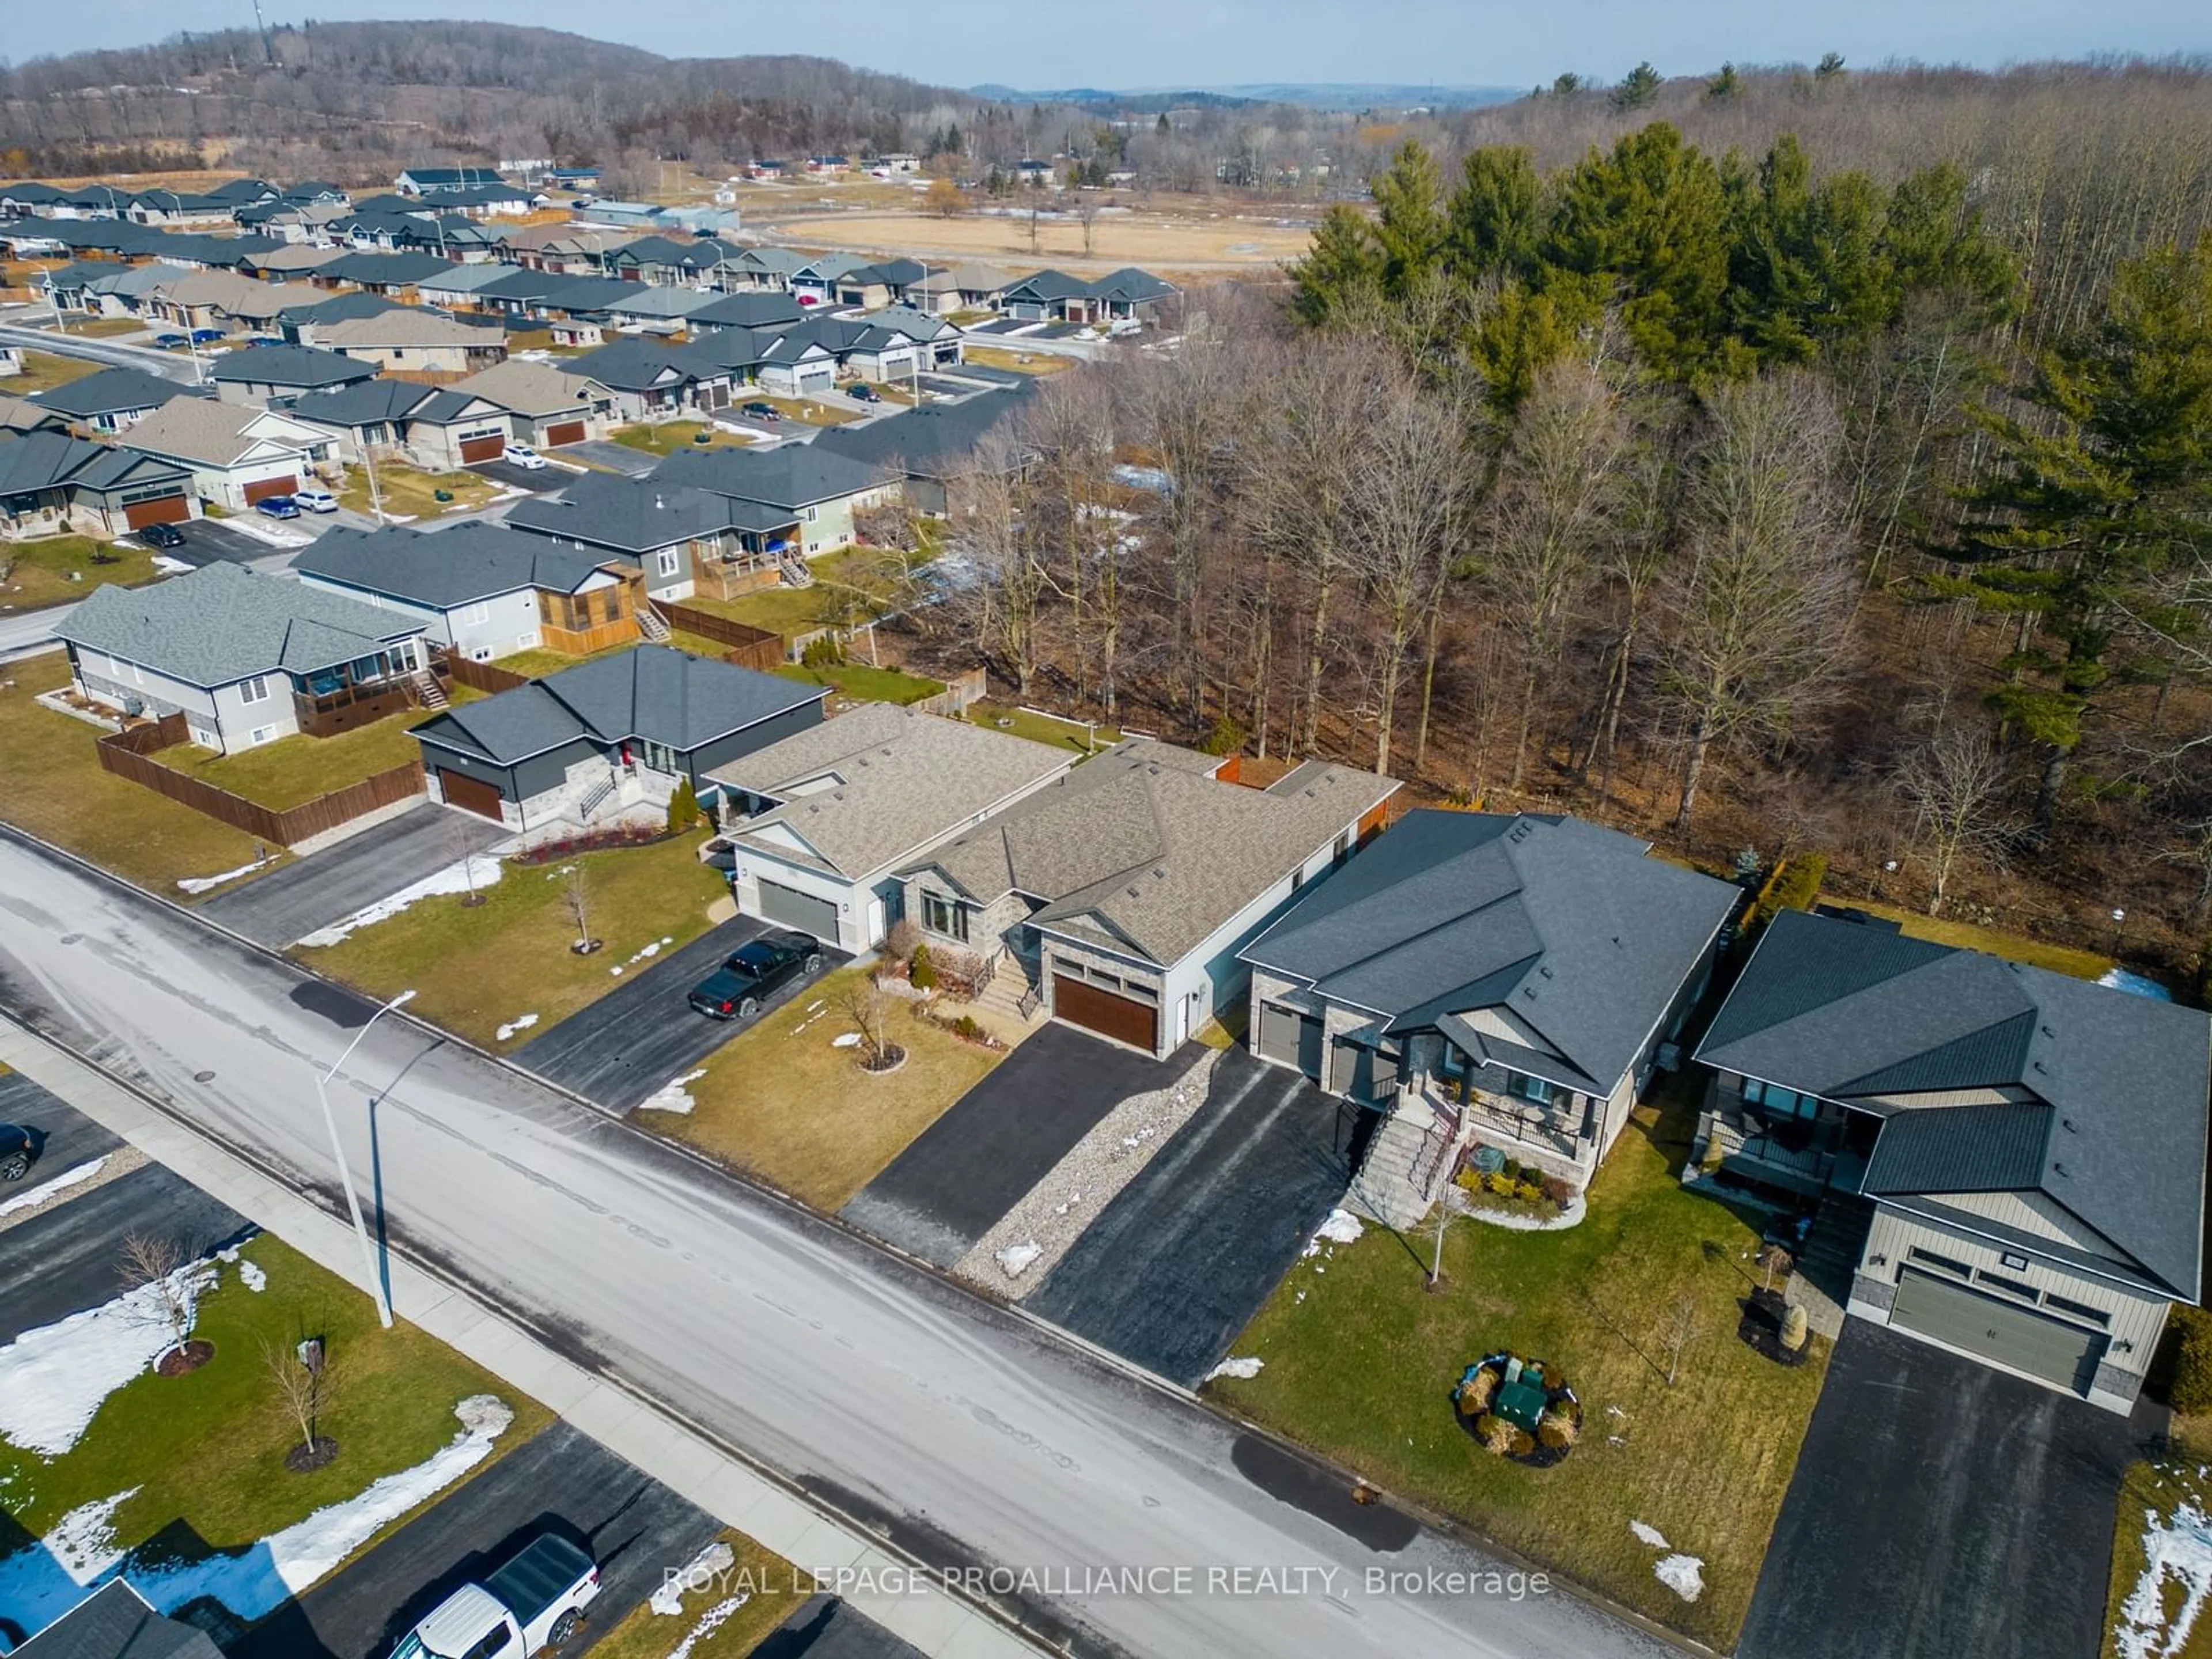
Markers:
877,1583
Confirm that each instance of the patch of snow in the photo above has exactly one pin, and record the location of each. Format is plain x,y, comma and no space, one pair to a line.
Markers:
54,1379
709,1622
2135,984
1342,1227
1017,1259
672,1095
252,1277
615,971
1649,1534
1243,1369
478,869
698,1573
519,1022
201,883
169,566
1682,1574
647,952
77,1175
2180,1549
846,1040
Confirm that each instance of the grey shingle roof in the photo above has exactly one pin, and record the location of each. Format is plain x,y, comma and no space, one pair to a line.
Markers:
633,515
790,476
589,294
632,365
1143,851
1961,1149
1569,926
932,441
110,392
363,402
652,692
386,270
114,1622
762,310
212,434
904,781
224,623
1860,1015
455,567
291,366
338,308
45,460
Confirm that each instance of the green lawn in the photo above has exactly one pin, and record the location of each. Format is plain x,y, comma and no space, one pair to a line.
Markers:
298,768
1039,728
539,663
774,1590
410,492
2157,1487
784,1104
476,969
1360,1359
1020,362
62,568
853,571
858,683
204,1451
673,437
51,784
108,328
2013,947
43,370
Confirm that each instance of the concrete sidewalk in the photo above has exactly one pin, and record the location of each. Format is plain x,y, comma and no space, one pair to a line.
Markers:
887,1588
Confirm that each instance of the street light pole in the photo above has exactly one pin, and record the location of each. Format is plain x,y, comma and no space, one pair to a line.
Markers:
337,1152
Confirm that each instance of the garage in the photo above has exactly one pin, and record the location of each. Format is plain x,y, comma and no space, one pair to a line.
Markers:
794,909
471,795
1997,1331
564,432
1291,1037
262,490
1109,1014
164,509
482,449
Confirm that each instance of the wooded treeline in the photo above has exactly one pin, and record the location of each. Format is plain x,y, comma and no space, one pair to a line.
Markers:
1736,498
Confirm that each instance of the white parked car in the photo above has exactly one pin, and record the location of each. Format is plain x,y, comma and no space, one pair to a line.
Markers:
316,501
525,457
534,1603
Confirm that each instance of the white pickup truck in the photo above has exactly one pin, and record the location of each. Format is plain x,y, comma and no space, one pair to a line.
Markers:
530,1606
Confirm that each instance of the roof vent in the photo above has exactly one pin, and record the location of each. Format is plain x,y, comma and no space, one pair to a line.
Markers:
2056,1168
2067,1124
2048,1032
1529,991
1544,969
1134,893
2037,1064
659,504
1159,873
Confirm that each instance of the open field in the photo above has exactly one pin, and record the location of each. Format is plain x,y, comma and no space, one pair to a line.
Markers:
410,492
42,371
1225,242
64,567
1018,361
1360,1359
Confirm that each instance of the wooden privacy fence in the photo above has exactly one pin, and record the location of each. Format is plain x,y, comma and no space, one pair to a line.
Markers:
484,675
959,691
129,754
749,647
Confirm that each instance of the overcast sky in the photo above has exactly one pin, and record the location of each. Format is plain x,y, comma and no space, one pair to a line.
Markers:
1150,43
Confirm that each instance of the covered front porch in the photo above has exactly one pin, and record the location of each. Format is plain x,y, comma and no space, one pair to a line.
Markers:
1805,1148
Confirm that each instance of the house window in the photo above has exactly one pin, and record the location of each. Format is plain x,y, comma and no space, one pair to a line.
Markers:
475,615
261,734
658,756
2075,1309
1778,1101
941,915
1454,1062
812,514
1533,1090
2009,1286
668,561
254,690
1941,1263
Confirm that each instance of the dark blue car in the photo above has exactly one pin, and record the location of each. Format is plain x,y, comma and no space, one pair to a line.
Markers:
747,976
277,507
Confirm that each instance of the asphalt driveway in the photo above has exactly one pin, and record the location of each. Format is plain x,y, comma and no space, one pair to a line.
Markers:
62,1136
1941,1510
1181,1259
643,1035
563,1481
323,887
213,541
826,1628
536,481
1001,1137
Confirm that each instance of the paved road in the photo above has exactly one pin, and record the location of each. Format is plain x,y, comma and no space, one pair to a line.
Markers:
561,1482
176,365
1184,1255
1941,1510
825,1628
642,1034
323,887
1001,1137
970,1434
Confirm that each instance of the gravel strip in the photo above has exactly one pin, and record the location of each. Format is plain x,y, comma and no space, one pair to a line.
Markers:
114,1165
1038,1231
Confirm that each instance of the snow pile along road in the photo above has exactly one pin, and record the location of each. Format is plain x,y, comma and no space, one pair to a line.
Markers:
476,872
2162,1609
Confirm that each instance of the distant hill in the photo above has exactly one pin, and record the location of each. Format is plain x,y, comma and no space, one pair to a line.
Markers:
1321,94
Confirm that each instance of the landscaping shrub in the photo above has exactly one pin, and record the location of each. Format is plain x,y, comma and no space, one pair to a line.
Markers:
826,651
1558,1428
1560,1190
1497,1182
1226,738
922,970
962,975
1512,1170
1794,886
682,808
2190,1391
901,939
1496,1434
966,1026
1527,1192
1475,1396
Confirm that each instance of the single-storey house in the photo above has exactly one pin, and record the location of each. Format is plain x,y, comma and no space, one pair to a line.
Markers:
295,259
1055,296
222,299
277,374
819,825
767,270
2013,1160
815,282
546,405
1510,980
659,310
654,382
1044,296
116,1622
20,415
418,181
247,659
607,736
237,455
169,207
395,275
302,325
484,201
111,399
51,482
885,284
437,428
461,285
970,285
819,488
1122,895
481,590
930,444
677,539
411,343
747,308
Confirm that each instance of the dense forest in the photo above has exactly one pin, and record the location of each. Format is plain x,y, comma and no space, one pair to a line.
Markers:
1848,499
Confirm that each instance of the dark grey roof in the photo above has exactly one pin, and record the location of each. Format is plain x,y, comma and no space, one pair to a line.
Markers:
1050,285
110,392
455,567
47,459
634,365
338,308
1861,1015
1961,1149
631,515
291,366
1563,929
652,693
363,402
1131,284
523,283
790,476
577,294
932,441
224,623
388,269
114,1622
762,310
890,273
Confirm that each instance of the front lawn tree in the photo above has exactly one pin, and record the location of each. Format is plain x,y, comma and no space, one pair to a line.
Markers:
302,1376
153,1270
576,899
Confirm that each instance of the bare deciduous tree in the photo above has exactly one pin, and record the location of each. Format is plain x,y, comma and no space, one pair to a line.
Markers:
1954,783
867,1005
576,899
154,1264
1684,1324
303,1377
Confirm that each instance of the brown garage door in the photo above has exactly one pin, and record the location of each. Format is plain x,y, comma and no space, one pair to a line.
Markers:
471,795
268,486
170,509
564,432
1122,1019
482,449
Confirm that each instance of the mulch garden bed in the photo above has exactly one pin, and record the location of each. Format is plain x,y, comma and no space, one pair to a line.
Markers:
1558,1429
1760,1328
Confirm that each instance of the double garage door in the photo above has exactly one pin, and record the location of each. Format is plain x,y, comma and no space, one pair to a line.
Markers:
790,907
482,449
165,509
564,432
1123,1019
1997,1330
